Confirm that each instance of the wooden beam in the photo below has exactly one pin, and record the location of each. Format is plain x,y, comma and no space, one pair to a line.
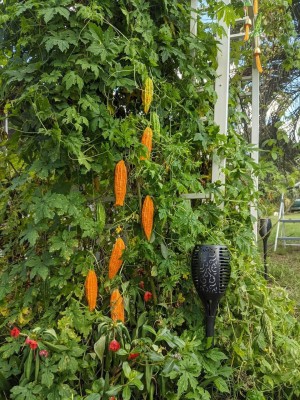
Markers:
222,90
6,124
192,196
193,21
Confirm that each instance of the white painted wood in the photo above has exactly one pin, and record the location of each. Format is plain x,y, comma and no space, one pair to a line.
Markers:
237,35
255,139
280,215
222,90
255,113
280,231
6,124
193,22
191,196
247,78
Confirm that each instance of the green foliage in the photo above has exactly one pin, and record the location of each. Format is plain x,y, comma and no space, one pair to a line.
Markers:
72,81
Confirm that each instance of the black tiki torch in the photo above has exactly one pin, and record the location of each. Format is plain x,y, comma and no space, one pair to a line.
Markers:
265,226
211,274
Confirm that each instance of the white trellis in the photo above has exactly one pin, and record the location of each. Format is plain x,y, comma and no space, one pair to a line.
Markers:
221,106
222,91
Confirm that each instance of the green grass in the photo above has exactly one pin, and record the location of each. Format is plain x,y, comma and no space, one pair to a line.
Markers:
284,264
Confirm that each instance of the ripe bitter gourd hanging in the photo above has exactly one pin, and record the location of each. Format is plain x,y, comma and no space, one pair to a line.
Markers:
120,183
147,94
147,216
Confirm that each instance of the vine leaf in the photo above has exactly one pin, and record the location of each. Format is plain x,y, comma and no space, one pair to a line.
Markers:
221,385
72,79
99,347
164,250
49,13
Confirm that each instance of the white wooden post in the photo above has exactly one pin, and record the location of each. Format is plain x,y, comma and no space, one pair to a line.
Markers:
280,214
255,138
222,90
6,124
193,22
255,124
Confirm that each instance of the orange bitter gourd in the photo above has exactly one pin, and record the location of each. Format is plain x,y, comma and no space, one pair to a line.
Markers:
147,94
147,141
117,306
147,216
91,289
255,7
120,183
116,261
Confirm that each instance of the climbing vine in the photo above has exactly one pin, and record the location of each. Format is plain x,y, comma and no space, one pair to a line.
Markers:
96,298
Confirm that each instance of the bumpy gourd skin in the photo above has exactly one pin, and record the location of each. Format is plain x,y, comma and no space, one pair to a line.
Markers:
147,216
91,289
116,261
117,306
147,94
155,124
147,141
120,183
255,7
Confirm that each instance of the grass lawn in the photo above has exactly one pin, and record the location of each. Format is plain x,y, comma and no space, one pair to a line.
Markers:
284,264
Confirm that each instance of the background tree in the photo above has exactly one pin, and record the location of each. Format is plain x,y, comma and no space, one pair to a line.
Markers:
279,96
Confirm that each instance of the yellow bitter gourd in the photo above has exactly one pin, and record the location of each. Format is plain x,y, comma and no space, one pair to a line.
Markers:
147,94
255,7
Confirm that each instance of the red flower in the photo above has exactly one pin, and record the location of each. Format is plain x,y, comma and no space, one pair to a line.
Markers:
132,356
114,345
148,296
141,284
15,332
32,343
44,353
